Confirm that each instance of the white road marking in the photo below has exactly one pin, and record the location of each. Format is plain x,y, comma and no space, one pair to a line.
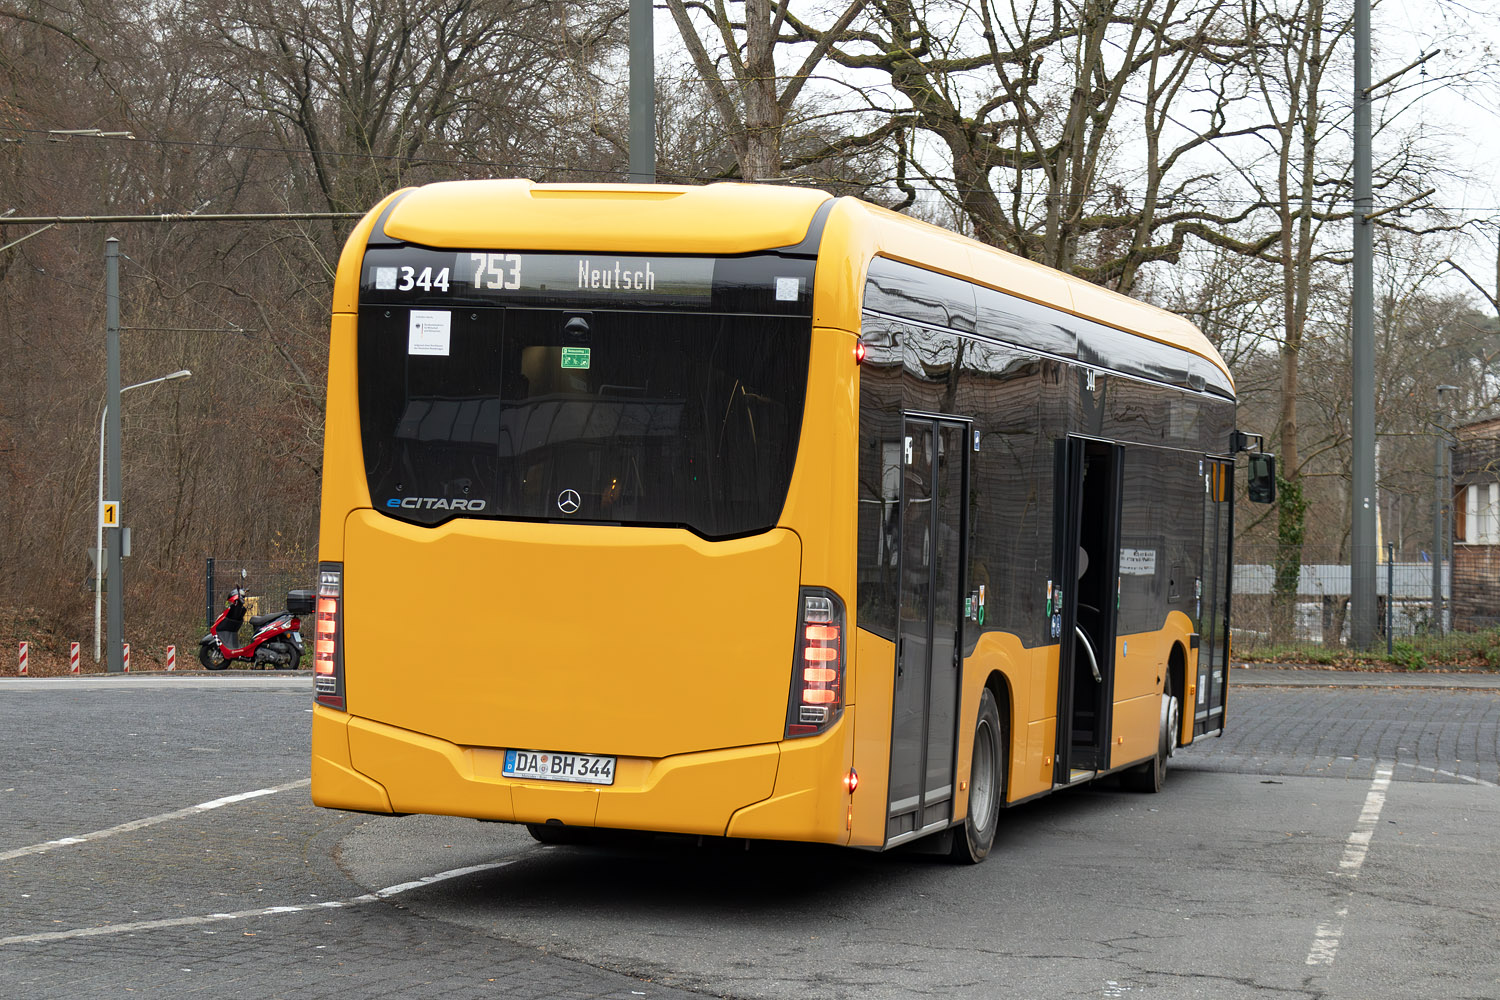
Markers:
1326,939
1450,774
1330,933
138,824
261,911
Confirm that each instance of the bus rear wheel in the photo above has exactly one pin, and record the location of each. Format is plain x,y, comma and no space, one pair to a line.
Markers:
972,842
1152,775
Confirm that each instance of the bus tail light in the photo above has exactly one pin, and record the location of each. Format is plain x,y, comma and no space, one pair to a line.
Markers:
328,637
817,698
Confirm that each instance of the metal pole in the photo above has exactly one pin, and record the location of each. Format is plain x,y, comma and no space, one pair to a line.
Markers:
1437,523
209,592
1450,520
115,619
642,94
99,548
1362,554
1442,495
1390,594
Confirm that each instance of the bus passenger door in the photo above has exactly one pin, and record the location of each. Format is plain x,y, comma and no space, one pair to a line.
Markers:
1213,597
925,707
1085,602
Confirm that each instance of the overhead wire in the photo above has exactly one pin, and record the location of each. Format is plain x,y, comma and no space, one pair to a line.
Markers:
933,183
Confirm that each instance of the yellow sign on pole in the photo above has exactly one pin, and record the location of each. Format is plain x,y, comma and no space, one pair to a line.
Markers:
109,513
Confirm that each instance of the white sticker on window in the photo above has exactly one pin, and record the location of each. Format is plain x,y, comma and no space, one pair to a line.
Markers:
1138,562
385,277
787,289
429,333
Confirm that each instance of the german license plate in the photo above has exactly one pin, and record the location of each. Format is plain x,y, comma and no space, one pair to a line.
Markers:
583,768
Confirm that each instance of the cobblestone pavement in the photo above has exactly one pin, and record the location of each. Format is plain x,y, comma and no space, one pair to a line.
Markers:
375,951
1430,735
78,759
81,761
267,896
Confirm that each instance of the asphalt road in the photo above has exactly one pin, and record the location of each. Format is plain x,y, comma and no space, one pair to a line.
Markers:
1336,842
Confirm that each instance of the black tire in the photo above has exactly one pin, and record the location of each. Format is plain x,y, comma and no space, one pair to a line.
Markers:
294,661
1151,776
211,656
972,841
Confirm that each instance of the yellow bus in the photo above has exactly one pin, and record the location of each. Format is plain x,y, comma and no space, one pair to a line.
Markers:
751,512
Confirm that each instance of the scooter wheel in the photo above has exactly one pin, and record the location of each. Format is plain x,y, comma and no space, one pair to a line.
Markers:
212,657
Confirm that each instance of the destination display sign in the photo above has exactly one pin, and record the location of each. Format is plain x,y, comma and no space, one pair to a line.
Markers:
417,276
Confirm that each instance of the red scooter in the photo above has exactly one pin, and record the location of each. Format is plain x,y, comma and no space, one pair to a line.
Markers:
276,641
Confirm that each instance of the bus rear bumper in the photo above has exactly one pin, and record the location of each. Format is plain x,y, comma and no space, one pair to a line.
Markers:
371,767
335,782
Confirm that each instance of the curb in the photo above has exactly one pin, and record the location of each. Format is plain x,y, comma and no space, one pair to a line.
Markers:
1244,675
161,680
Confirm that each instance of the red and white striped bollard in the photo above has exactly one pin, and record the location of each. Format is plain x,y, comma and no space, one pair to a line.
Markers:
25,667
127,657
171,658
72,657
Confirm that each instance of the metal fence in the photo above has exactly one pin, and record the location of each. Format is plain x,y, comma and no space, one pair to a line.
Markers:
1318,618
266,582
1442,609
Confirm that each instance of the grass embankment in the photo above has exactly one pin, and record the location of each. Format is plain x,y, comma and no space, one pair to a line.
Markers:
1456,651
47,645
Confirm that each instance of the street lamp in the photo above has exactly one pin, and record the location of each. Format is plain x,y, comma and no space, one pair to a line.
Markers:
99,512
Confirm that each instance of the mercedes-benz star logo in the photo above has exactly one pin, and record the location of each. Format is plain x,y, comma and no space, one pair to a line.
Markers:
568,501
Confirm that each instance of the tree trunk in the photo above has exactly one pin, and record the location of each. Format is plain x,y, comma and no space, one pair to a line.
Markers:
1299,136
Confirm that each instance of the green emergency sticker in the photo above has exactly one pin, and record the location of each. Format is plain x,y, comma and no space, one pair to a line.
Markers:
575,357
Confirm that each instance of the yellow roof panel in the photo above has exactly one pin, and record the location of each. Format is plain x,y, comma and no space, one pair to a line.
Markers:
647,218
730,218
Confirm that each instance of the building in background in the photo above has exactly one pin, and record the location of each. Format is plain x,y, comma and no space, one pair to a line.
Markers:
1476,525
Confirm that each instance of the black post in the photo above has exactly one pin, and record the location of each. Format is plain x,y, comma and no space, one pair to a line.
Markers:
210,591
1390,593
114,615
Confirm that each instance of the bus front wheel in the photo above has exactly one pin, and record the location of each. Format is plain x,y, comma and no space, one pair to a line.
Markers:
971,843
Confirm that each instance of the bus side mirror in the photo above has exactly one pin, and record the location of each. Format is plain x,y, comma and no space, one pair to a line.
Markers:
1262,484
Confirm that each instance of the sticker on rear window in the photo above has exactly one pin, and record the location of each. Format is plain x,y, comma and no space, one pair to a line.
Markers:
429,332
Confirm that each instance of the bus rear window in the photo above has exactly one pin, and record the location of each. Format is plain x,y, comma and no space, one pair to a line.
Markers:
671,418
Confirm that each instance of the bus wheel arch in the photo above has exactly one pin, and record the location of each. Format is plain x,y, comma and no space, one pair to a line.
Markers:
988,775
1177,679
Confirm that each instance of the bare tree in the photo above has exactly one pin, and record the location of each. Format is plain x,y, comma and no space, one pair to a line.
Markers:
756,102
1299,54
1033,107
381,94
